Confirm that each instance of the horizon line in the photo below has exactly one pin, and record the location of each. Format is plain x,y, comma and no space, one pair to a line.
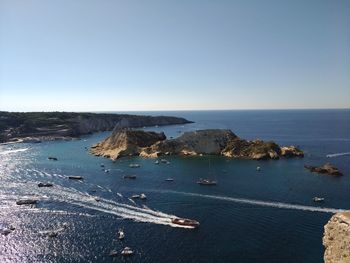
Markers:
182,110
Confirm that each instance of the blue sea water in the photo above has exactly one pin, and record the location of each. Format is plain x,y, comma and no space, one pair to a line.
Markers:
250,216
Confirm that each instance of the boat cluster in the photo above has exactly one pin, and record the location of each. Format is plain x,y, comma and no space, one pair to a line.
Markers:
127,251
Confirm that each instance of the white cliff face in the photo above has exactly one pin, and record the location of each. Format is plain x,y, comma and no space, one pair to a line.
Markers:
336,239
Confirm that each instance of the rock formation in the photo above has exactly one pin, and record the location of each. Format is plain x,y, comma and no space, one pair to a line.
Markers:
336,239
202,142
324,169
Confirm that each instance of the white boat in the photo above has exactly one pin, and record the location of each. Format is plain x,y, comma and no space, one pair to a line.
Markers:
318,199
135,196
156,162
258,168
169,179
163,160
113,253
143,196
127,251
134,165
121,234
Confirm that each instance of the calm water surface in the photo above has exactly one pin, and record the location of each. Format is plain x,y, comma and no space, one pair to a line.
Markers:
250,216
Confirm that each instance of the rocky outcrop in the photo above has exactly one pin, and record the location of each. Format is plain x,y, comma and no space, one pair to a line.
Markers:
202,142
48,125
336,239
324,169
126,143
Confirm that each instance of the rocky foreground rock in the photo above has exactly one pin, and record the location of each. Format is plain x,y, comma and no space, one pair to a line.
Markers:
202,142
336,239
324,169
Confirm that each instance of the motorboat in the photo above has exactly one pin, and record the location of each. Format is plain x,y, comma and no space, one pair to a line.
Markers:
258,168
134,165
156,162
75,177
121,234
45,185
185,222
163,161
129,176
113,253
169,179
206,182
135,196
318,199
52,158
127,251
143,196
26,201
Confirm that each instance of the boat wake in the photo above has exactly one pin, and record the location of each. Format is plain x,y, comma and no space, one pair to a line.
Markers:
337,154
258,202
75,197
13,151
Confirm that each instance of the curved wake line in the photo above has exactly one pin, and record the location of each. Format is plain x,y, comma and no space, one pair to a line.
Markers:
337,154
14,151
259,202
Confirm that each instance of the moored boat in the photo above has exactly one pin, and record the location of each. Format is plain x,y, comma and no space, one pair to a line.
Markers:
143,196
206,182
127,251
129,176
134,165
169,179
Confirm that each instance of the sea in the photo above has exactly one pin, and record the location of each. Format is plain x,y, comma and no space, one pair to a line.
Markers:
249,216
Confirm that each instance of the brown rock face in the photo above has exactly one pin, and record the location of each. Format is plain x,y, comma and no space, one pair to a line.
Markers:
325,169
336,239
202,142
126,142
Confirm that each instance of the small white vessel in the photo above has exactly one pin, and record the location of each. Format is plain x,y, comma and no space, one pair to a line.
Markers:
134,165
156,162
163,160
135,196
318,199
169,179
258,168
127,251
121,234
143,196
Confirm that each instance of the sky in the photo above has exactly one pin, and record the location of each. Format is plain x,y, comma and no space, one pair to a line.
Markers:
84,55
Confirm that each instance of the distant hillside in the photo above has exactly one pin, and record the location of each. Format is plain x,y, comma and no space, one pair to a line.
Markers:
69,124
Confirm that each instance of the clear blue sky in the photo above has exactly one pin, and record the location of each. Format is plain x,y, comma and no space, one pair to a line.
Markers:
83,55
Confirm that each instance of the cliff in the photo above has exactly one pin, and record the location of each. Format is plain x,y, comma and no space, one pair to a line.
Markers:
202,142
66,124
336,239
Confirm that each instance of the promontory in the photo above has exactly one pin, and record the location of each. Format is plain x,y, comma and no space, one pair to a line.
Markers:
126,142
36,126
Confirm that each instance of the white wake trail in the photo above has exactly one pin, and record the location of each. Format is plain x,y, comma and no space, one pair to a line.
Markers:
337,154
258,202
14,151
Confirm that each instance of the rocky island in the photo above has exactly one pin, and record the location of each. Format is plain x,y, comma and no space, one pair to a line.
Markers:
324,169
36,126
124,142
336,239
